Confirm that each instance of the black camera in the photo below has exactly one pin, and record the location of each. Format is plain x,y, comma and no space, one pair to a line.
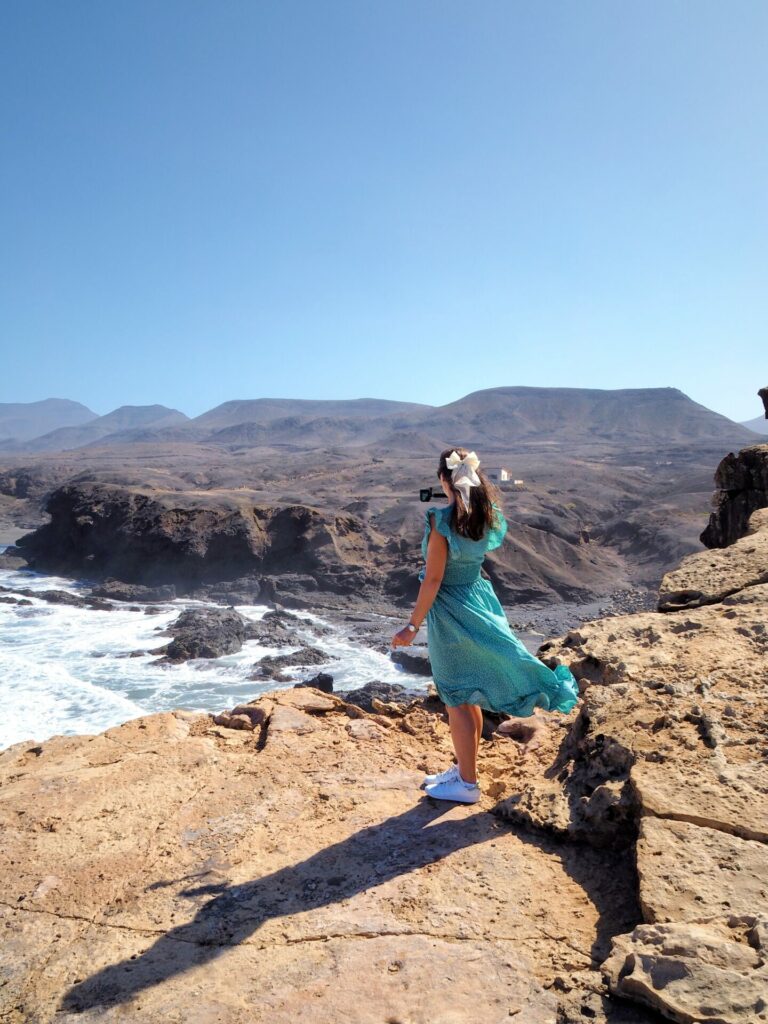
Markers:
428,493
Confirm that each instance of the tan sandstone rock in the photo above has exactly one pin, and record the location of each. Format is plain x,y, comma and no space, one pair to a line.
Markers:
172,869
708,576
687,872
731,798
703,972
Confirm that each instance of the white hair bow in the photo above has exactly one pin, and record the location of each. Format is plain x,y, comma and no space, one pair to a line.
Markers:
463,475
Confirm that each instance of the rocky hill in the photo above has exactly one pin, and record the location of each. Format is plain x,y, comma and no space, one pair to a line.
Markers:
759,425
281,862
632,415
22,421
113,428
492,417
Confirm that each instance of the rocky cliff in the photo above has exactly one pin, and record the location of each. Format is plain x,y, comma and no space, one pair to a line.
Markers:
195,539
742,487
99,530
283,862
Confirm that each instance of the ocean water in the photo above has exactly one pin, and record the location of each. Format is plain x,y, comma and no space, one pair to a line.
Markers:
67,670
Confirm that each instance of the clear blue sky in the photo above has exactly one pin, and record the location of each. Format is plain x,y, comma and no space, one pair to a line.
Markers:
406,199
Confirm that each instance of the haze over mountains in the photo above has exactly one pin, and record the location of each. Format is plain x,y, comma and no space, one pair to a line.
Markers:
759,424
21,421
492,417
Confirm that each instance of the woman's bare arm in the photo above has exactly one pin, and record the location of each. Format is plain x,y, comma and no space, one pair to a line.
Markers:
437,555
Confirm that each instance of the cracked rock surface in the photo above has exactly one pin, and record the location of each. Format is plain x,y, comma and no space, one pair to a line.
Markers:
669,757
173,869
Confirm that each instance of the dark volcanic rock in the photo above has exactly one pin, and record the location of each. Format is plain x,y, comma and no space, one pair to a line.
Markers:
245,590
742,482
763,393
413,659
160,537
119,591
389,693
205,633
61,597
12,558
322,681
271,666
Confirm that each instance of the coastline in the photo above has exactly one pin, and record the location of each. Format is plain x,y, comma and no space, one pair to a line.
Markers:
99,662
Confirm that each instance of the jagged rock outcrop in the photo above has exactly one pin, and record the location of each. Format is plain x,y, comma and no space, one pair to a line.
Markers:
742,487
59,597
116,590
763,394
709,578
205,633
272,666
99,530
669,755
707,971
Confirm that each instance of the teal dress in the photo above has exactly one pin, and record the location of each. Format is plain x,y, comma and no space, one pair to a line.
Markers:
475,656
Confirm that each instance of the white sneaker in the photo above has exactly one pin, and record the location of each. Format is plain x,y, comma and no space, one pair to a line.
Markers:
446,776
455,789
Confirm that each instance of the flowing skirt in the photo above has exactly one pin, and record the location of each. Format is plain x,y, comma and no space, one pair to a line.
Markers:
477,659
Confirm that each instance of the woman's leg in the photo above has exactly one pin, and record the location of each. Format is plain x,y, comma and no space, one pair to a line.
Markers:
464,733
478,712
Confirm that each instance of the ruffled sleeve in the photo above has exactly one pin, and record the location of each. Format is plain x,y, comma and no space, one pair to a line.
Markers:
441,525
497,533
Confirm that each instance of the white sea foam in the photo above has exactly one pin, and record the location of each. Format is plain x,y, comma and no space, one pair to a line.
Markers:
68,670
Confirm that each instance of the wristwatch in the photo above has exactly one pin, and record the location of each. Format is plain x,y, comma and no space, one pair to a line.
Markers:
413,629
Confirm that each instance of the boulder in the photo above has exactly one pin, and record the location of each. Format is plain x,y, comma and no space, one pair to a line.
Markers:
413,659
366,696
205,633
118,590
272,666
709,576
710,971
322,681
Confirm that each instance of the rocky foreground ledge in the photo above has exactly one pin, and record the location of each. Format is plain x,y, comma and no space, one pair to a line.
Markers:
179,869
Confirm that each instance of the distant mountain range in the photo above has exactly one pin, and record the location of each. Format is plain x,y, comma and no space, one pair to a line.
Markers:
759,424
22,421
494,417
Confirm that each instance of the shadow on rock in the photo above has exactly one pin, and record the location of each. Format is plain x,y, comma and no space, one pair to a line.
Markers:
234,913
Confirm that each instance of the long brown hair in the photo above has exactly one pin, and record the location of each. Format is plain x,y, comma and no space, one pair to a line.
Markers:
470,522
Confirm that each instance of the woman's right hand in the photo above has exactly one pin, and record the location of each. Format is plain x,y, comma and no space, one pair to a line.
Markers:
404,638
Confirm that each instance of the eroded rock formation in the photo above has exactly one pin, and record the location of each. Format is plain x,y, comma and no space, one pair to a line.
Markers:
99,530
669,754
742,487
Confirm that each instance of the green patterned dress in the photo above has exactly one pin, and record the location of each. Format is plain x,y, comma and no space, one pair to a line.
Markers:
475,656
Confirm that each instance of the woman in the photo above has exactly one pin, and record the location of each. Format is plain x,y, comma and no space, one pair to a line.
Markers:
477,661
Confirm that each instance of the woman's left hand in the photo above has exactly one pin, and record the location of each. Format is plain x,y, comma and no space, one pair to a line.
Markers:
404,638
